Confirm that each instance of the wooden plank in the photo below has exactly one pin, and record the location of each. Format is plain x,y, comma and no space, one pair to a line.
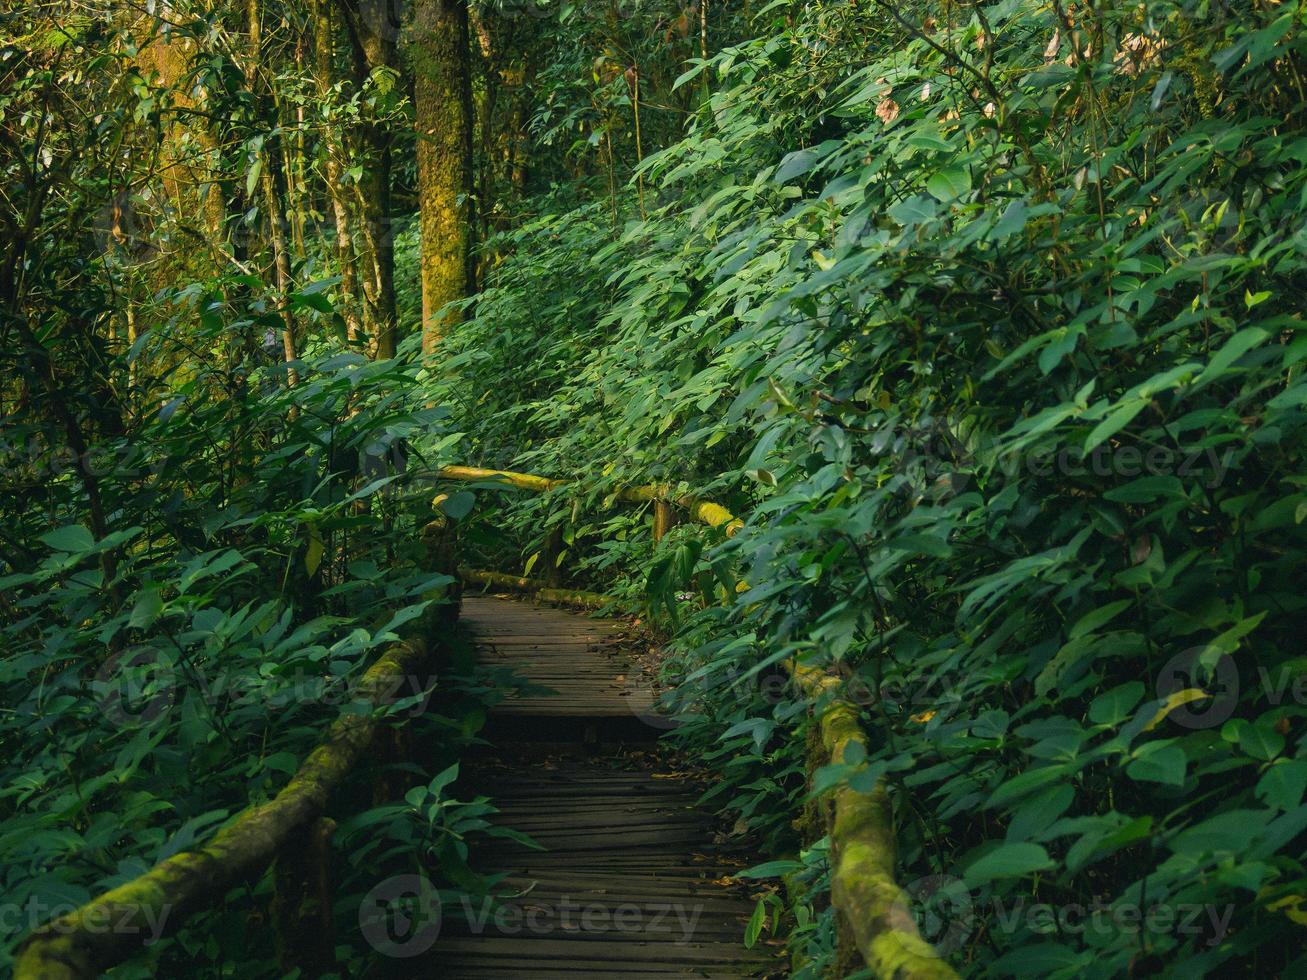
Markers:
625,839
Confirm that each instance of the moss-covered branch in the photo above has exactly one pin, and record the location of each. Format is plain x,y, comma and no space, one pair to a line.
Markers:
536,587
703,511
110,927
875,909
523,481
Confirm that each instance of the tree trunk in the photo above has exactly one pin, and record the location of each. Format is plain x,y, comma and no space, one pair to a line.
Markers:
443,104
374,26
323,47
297,169
269,194
380,236
281,259
518,135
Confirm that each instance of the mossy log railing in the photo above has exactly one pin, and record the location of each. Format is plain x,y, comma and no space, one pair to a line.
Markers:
875,909
698,509
110,927
876,912
539,588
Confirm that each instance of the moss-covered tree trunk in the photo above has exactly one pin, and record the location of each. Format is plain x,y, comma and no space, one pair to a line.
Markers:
443,104
324,37
374,27
270,190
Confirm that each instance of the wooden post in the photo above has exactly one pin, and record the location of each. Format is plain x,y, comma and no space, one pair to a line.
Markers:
440,541
553,547
302,900
393,748
664,519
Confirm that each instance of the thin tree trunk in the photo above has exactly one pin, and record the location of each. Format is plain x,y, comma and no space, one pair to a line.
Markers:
487,123
374,26
443,103
484,121
271,200
519,132
281,260
297,172
703,31
323,48
633,77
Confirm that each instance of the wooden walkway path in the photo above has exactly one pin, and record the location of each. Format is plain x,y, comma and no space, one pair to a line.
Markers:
631,882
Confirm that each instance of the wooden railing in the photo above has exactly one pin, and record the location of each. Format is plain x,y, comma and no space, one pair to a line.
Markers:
876,913
696,508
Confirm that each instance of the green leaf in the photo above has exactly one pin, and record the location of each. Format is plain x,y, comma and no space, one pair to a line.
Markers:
1258,740
1115,706
1013,221
1238,345
1159,762
1230,831
866,779
441,781
283,762
252,177
1008,860
1117,419
314,552
458,505
920,544
74,539
686,76
149,605
914,210
1283,784
949,184
754,929
1038,813
771,869
1099,617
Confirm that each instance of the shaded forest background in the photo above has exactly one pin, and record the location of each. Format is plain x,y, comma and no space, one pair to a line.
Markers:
984,316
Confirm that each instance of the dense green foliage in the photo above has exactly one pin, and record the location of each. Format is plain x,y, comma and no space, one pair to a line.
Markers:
199,561
991,312
984,317
258,592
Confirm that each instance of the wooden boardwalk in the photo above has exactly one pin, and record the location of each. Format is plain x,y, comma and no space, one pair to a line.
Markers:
581,660
631,882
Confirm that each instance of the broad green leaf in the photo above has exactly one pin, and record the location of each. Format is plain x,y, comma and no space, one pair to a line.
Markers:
1101,616
73,539
1158,763
949,184
1008,860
